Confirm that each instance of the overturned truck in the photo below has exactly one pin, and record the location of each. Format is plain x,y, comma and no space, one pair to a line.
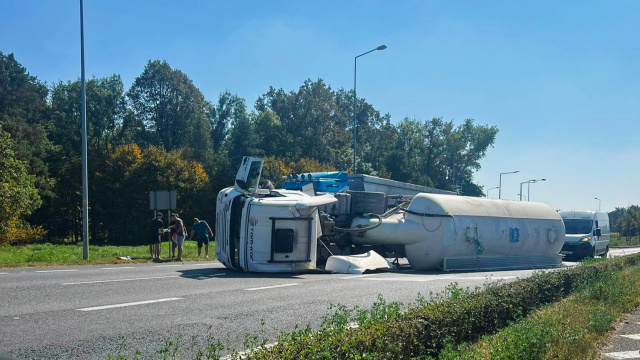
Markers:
280,230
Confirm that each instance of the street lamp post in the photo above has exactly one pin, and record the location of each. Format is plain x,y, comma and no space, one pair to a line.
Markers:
83,111
520,194
500,183
490,189
529,187
599,201
355,124
528,182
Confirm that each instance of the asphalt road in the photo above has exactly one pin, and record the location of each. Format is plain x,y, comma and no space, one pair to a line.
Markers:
83,312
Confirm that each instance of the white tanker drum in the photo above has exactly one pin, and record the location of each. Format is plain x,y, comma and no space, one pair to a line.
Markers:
469,233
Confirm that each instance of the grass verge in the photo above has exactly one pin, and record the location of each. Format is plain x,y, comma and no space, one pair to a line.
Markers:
573,328
60,255
622,241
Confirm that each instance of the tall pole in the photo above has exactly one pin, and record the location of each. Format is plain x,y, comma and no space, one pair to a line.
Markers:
500,183
83,110
490,189
529,187
599,201
355,123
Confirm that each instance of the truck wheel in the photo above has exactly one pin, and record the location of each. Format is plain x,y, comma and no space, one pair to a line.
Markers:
593,252
606,252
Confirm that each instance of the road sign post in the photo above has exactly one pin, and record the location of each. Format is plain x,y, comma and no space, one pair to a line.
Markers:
162,200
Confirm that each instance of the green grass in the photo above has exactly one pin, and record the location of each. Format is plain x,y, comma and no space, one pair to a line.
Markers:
622,241
570,329
59,255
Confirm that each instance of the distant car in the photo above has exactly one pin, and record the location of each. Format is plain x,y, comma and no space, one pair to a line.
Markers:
587,234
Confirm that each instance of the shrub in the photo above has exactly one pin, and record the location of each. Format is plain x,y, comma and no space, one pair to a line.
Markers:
20,233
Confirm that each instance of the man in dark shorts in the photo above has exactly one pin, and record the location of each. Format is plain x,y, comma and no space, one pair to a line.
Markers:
155,230
202,231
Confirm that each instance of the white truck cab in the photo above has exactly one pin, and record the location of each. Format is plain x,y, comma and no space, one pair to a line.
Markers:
261,230
587,234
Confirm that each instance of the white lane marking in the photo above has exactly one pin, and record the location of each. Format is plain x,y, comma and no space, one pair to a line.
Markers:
118,280
4,273
134,279
128,304
632,336
357,276
205,264
117,268
271,287
144,278
623,355
49,271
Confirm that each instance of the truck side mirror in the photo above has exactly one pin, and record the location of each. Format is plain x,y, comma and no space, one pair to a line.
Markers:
598,232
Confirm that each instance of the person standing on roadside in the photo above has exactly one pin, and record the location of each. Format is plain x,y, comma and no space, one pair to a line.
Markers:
180,232
155,231
202,231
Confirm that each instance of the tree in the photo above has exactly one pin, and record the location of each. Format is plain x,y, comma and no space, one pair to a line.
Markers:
629,223
242,139
269,132
229,109
375,133
18,194
23,112
121,203
311,122
405,161
614,216
105,115
171,110
20,93
436,153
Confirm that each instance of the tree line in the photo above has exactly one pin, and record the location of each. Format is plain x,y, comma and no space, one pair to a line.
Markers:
162,134
625,221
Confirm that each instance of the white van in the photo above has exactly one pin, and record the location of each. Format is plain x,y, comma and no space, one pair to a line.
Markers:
586,234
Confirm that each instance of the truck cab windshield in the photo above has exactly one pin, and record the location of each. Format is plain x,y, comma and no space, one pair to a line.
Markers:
578,226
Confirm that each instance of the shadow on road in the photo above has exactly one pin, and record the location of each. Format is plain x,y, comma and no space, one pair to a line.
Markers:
204,274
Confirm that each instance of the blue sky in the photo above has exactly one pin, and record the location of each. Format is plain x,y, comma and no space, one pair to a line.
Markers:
560,79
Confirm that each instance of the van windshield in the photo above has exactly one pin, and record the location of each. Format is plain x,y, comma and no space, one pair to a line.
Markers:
577,226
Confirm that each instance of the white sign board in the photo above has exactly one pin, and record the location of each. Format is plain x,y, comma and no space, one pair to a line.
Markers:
162,200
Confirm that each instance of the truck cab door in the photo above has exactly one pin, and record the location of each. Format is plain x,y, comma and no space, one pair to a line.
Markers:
248,175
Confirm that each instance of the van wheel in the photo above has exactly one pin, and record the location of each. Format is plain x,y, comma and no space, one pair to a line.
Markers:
593,252
606,252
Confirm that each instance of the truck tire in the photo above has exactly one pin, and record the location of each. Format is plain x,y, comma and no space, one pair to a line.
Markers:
605,253
593,252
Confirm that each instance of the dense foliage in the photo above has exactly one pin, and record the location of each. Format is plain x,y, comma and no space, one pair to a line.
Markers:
626,221
162,134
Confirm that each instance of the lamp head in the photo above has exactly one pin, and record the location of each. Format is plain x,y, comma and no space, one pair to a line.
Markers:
381,47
